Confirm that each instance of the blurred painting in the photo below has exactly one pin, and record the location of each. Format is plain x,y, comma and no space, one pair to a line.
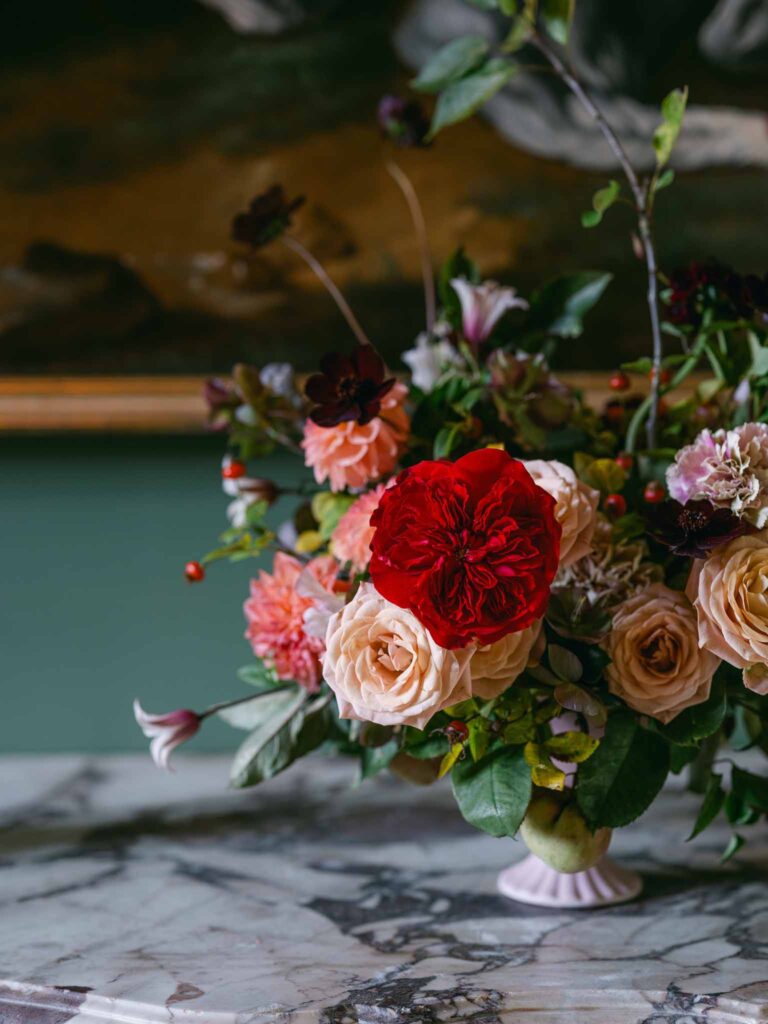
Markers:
132,132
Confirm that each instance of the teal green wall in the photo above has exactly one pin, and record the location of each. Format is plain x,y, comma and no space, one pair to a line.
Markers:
94,609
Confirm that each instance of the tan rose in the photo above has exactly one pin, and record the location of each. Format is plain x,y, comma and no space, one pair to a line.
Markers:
494,667
656,665
384,666
730,592
576,508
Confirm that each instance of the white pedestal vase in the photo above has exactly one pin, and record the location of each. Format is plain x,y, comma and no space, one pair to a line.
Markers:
602,885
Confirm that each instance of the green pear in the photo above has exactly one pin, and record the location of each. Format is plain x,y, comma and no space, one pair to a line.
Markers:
555,831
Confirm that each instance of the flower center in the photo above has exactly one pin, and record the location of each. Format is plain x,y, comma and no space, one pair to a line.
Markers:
660,652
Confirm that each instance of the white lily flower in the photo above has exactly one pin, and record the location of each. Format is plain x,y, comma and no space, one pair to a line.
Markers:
483,305
428,359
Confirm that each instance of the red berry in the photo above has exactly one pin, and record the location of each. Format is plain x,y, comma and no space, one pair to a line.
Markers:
194,572
614,412
233,470
664,375
654,492
615,505
458,730
619,381
624,461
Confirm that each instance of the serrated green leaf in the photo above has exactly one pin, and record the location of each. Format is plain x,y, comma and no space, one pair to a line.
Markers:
493,794
556,17
451,62
672,112
461,99
714,796
576,747
624,775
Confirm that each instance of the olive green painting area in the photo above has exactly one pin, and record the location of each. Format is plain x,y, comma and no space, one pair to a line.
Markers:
137,130
95,609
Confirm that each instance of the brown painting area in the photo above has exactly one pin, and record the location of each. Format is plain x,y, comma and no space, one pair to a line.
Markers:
130,137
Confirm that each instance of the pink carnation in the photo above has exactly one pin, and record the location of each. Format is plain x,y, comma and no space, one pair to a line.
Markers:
727,468
275,614
352,456
351,540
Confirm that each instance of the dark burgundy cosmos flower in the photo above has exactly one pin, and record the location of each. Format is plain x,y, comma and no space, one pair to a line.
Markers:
693,529
403,121
470,547
348,387
714,287
267,217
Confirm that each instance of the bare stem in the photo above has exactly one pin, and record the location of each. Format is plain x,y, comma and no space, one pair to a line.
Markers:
640,193
330,287
417,216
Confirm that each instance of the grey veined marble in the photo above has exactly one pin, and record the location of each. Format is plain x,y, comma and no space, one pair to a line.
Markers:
127,895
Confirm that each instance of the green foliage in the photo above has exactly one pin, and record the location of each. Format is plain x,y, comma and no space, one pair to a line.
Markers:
458,264
327,509
297,726
250,714
460,99
701,720
494,793
576,747
602,200
559,307
258,676
624,775
555,17
424,746
564,663
672,113
543,772
451,62
375,759
714,797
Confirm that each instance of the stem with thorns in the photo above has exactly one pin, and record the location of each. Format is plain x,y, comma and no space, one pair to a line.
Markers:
330,286
417,216
642,202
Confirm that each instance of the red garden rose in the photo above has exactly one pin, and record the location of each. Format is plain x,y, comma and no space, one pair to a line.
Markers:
470,547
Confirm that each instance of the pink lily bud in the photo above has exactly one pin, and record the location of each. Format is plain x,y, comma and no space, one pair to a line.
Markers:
166,731
482,306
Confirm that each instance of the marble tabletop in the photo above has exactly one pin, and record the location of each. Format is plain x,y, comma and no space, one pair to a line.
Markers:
128,895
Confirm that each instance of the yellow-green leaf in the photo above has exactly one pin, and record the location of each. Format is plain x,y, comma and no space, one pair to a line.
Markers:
672,112
543,772
478,738
571,746
519,731
450,759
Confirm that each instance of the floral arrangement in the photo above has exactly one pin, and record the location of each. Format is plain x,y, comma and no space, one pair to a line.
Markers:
485,578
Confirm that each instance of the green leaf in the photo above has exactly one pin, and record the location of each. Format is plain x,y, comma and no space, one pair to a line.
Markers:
518,35
457,265
714,796
375,759
701,720
461,99
735,843
602,200
747,728
555,17
672,113
751,789
564,663
680,756
418,744
543,772
478,738
251,713
493,795
560,305
664,180
624,775
446,440
328,508
485,5
258,676
576,747
451,62
296,730
450,759
574,698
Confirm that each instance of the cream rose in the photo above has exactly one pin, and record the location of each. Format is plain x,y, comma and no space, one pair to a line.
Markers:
494,667
576,508
656,665
730,593
384,666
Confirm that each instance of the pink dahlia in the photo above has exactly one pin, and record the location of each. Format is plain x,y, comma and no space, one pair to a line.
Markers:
351,540
350,455
275,613
729,469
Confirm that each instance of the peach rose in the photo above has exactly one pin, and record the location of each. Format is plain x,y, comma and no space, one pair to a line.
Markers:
384,666
351,540
576,508
656,665
494,667
352,456
730,592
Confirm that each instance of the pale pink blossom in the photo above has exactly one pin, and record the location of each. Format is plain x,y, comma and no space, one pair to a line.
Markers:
727,468
166,731
351,540
350,455
576,508
275,613
483,305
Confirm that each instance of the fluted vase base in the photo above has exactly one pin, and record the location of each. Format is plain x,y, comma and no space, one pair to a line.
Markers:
534,882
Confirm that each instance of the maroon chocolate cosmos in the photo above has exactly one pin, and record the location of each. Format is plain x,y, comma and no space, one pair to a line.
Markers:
714,287
267,217
348,387
693,529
